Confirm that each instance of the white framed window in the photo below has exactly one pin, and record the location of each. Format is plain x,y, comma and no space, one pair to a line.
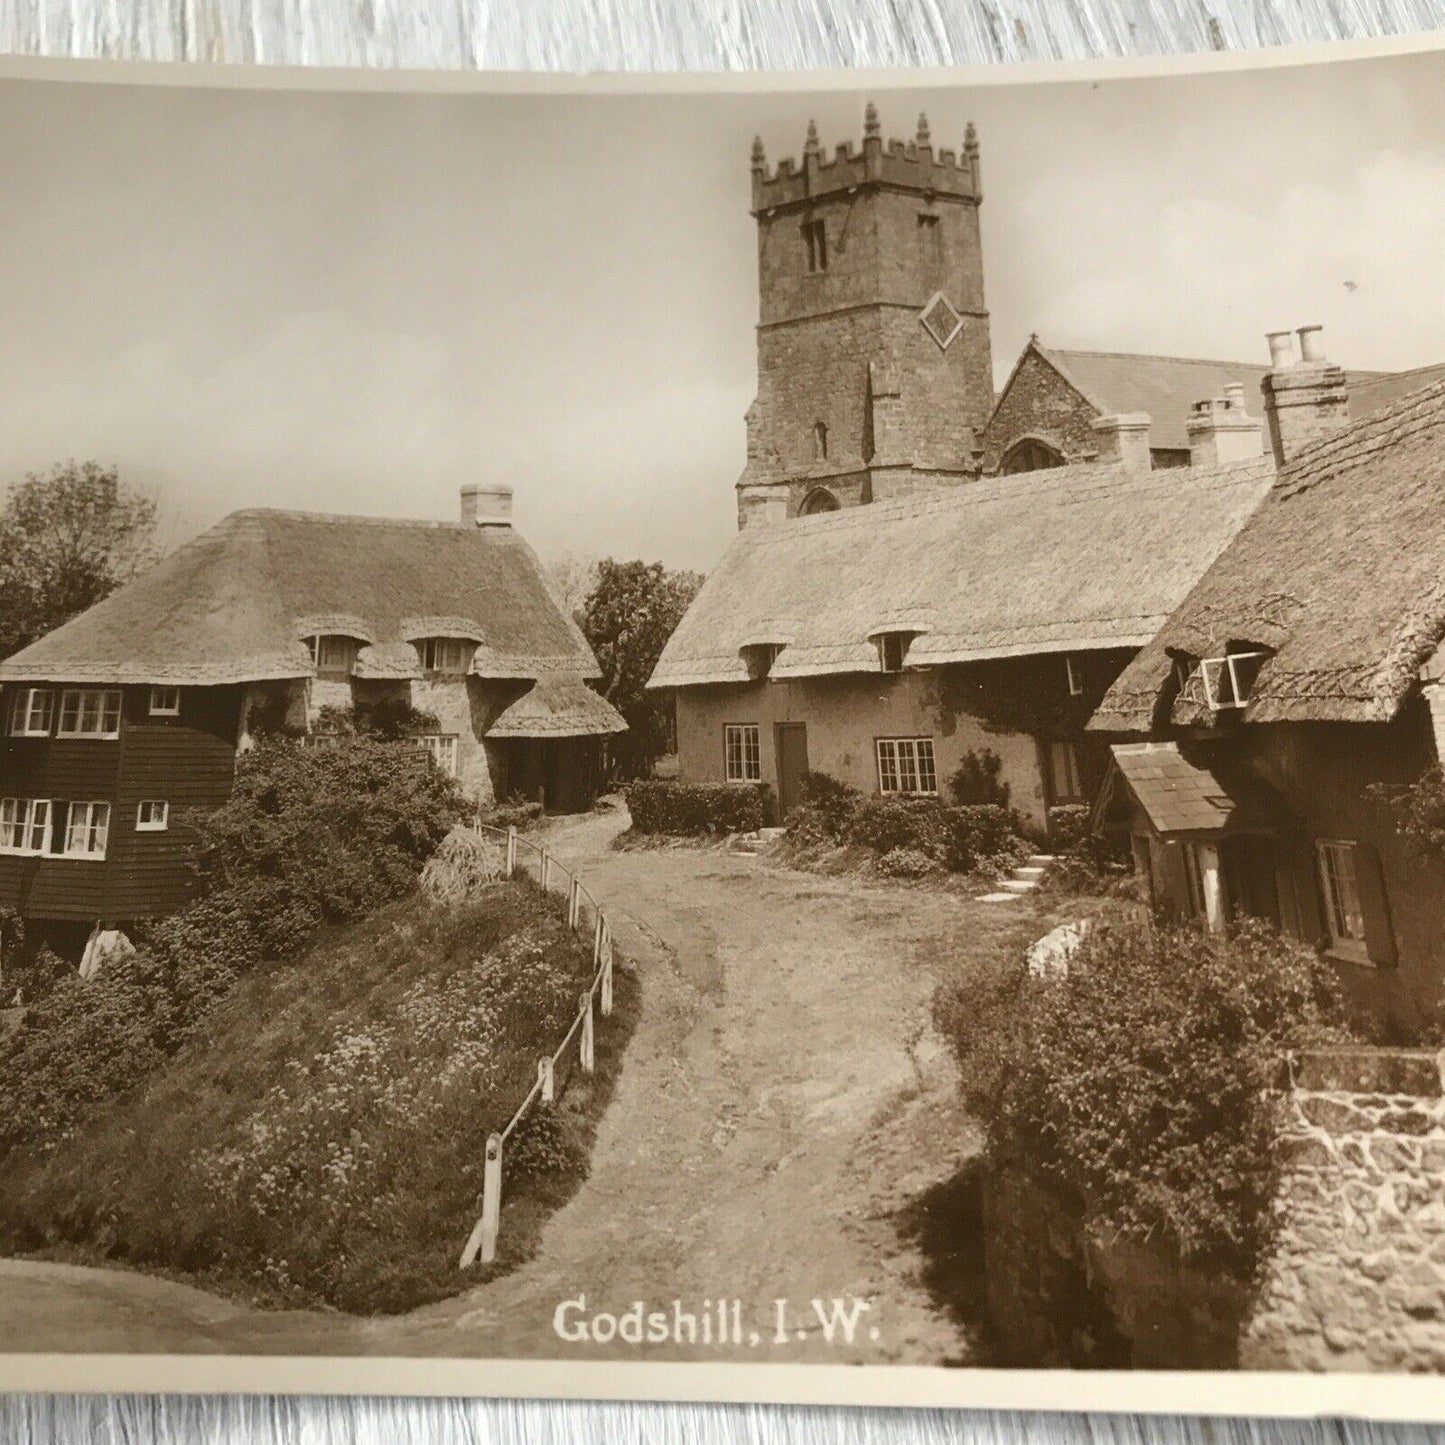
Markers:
743,753
1074,675
87,828
31,712
89,712
152,816
1344,914
165,702
1064,766
893,650
443,654
442,749
905,765
333,653
1228,680
24,825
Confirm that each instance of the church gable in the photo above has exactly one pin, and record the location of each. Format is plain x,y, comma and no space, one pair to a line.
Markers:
1040,418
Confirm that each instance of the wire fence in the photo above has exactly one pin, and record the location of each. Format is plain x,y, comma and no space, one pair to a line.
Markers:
578,1048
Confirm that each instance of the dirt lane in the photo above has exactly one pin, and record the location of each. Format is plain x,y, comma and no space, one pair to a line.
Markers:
783,1096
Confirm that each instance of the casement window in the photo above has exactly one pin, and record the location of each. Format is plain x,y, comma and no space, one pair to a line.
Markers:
444,654
87,828
24,825
442,749
742,753
1064,767
31,712
152,816
1228,680
905,765
815,238
89,712
1344,910
893,650
165,702
1074,676
333,654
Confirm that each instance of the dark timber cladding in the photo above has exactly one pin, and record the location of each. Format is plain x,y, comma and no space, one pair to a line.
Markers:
187,762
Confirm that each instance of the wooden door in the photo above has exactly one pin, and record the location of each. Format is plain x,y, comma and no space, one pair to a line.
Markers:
791,743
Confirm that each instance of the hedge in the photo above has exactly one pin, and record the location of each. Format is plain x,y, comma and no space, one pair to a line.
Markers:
687,809
1068,825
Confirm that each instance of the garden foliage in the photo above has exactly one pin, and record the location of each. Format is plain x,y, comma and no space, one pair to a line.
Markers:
690,809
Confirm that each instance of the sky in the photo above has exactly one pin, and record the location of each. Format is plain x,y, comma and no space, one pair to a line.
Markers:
360,302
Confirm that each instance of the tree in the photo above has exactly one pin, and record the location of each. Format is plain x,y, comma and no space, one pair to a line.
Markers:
631,611
572,576
68,538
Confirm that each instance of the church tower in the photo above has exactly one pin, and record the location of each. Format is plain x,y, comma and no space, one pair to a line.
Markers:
874,373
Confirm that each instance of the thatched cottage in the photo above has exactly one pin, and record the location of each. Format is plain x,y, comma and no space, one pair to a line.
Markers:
1303,671
882,644
137,708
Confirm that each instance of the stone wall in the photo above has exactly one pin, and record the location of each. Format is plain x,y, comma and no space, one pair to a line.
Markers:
1358,1282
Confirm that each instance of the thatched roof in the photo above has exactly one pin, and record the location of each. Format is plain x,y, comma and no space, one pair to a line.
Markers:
1071,559
558,705
1340,574
232,605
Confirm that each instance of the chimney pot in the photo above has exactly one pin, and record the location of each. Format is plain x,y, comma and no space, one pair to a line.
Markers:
487,506
1234,395
1281,349
1309,343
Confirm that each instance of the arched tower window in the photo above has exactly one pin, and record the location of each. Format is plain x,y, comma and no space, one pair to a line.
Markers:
820,441
820,499
1029,455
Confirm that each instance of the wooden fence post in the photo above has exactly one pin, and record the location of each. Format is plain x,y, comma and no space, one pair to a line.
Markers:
511,851
483,1239
544,869
598,925
545,1079
588,1050
574,904
606,991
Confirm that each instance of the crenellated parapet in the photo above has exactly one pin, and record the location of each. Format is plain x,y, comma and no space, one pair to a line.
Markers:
906,165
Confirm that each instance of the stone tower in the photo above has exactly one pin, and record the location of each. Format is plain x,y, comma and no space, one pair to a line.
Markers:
874,373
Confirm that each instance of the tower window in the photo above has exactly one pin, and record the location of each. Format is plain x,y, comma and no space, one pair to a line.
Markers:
930,236
815,237
820,441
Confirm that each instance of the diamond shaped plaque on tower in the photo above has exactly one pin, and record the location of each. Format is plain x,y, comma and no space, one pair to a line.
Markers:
940,320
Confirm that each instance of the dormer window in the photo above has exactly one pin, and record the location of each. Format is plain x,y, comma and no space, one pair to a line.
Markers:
760,657
893,650
447,655
31,711
1228,680
332,654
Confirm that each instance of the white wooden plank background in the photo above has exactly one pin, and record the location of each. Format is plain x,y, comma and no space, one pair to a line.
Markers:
643,35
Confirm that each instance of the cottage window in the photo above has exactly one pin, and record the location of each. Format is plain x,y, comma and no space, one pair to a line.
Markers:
893,650
333,654
24,825
152,816
1074,676
89,712
742,753
1064,766
905,765
31,711
441,748
1344,913
444,654
815,237
1228,680
86,831
165,702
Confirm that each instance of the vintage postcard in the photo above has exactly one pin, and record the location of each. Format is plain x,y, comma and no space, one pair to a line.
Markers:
772,741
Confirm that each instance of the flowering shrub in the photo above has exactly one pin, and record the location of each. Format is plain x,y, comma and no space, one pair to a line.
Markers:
685,809
1143,1081
1068,825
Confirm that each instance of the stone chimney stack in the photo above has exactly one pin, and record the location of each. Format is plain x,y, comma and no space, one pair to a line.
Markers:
1125,439
1221,431
1304,397
487,506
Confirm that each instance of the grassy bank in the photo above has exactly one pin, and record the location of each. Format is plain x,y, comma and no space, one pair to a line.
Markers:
321,1141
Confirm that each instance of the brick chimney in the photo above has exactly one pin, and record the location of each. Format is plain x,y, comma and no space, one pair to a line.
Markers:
487,506
1221,431
1125,439
1304,396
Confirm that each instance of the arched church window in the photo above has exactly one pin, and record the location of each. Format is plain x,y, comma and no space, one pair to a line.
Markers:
1030,455
818,500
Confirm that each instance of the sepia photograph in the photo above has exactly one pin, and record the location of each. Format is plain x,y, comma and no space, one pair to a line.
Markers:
769,725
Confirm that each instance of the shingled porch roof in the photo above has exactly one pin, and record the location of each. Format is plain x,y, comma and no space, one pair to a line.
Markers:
1073,559
1187,791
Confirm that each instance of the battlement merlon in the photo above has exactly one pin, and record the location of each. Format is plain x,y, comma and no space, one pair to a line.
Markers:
905,165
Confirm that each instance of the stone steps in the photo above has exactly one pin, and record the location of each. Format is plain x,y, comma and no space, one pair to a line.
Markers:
1024,880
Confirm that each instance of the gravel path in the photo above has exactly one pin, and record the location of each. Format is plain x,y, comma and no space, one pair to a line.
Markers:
783,1097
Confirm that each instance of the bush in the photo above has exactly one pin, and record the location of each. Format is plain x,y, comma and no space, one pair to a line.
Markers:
687,809
1418,810
979,779
918,824
516,812
1068,825
984,833
1144,1081
907,863
310,837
